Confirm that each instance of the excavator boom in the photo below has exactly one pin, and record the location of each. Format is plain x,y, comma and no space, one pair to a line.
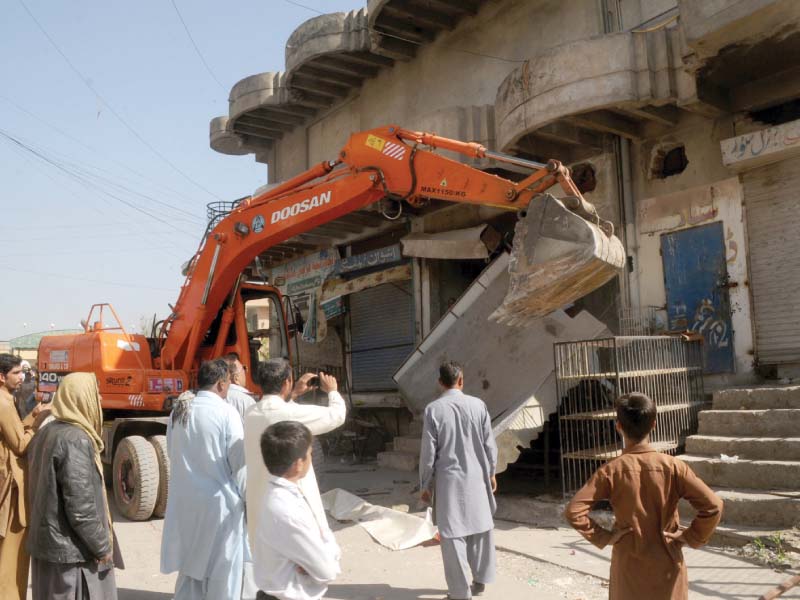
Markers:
562,249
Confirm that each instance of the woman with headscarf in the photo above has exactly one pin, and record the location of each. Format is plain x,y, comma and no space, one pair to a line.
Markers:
69,533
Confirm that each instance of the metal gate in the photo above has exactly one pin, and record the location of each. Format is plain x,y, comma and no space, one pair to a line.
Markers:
772,198
591,374
381,334
696,280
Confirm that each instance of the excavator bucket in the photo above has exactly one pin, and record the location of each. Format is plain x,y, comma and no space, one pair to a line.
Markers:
557,257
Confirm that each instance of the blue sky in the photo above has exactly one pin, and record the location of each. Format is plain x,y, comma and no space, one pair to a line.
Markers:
90,212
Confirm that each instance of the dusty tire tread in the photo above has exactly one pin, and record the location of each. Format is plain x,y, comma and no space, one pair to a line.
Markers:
145,462
159,443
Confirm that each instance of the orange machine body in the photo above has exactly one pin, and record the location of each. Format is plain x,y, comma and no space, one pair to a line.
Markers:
135,372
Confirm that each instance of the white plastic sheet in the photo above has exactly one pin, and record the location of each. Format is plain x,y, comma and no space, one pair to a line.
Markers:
391,528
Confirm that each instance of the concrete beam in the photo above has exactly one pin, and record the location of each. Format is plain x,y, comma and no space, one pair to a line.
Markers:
607,122
405,10
330,76
257,121
275,116
251,131
405,28
336,64
775,89
311,84
571,134
664,115
365,59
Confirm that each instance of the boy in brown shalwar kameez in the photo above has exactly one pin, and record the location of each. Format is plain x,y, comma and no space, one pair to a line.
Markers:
643,487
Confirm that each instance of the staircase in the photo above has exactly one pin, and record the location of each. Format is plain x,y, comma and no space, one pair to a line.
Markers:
761,489
404,455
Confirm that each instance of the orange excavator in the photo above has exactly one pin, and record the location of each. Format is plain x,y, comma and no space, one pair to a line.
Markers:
561,251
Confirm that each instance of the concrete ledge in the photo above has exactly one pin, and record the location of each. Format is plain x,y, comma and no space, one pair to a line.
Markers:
327,34
623,70
223,140
773,422
755,448
400,461
747,474
710,25
757,398
409,445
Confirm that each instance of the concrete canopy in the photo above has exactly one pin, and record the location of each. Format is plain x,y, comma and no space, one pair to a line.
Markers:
563,100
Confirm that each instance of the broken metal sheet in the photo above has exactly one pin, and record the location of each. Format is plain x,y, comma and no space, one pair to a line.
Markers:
391,528
508,367
333,288
455,244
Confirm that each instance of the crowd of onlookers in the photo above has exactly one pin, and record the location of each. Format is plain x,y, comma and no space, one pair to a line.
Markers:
244,515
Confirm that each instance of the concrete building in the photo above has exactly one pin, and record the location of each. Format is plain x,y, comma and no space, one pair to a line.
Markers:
681,120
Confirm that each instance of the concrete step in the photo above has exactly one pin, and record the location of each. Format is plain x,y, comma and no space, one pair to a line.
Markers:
399,461
746,474
756,448
407,444
750,423
415,427
773,509
757,398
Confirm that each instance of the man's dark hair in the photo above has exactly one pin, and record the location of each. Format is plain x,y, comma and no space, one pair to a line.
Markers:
282,444
636,413
272,374
212,371
449,372
230,360
8,362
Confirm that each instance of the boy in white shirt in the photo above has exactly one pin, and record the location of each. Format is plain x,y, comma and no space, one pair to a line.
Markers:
295,556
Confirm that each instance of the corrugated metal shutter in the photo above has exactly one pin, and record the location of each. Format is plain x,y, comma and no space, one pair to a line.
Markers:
381,333
772,200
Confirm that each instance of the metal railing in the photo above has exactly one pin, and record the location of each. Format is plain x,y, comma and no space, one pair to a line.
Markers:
591,374
638,320
216,211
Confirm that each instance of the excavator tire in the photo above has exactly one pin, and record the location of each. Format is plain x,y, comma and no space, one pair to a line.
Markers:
159,443
136,478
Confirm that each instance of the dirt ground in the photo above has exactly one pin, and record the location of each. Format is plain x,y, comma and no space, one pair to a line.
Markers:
370,571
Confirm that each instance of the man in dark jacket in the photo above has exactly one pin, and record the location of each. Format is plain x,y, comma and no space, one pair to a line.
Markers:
69,527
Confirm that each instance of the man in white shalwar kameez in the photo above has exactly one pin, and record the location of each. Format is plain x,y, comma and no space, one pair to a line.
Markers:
204,532
456,468
276,381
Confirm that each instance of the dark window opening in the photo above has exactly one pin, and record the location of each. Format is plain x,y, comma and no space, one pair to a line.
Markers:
777,115
670,162
584,176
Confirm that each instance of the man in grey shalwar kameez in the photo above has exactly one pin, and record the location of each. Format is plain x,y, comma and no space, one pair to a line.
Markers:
457,464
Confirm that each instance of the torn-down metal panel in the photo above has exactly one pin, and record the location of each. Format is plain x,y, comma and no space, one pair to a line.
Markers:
510,368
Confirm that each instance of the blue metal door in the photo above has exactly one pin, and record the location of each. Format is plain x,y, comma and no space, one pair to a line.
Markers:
696,282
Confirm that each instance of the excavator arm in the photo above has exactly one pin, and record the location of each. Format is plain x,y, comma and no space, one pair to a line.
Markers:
390,162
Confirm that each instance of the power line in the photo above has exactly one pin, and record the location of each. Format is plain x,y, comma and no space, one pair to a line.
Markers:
91,149
86,279
111,108
319,12
87,183
196,49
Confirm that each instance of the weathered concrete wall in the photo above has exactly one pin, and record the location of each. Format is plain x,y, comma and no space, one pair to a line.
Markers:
720,201
436,89
700,137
